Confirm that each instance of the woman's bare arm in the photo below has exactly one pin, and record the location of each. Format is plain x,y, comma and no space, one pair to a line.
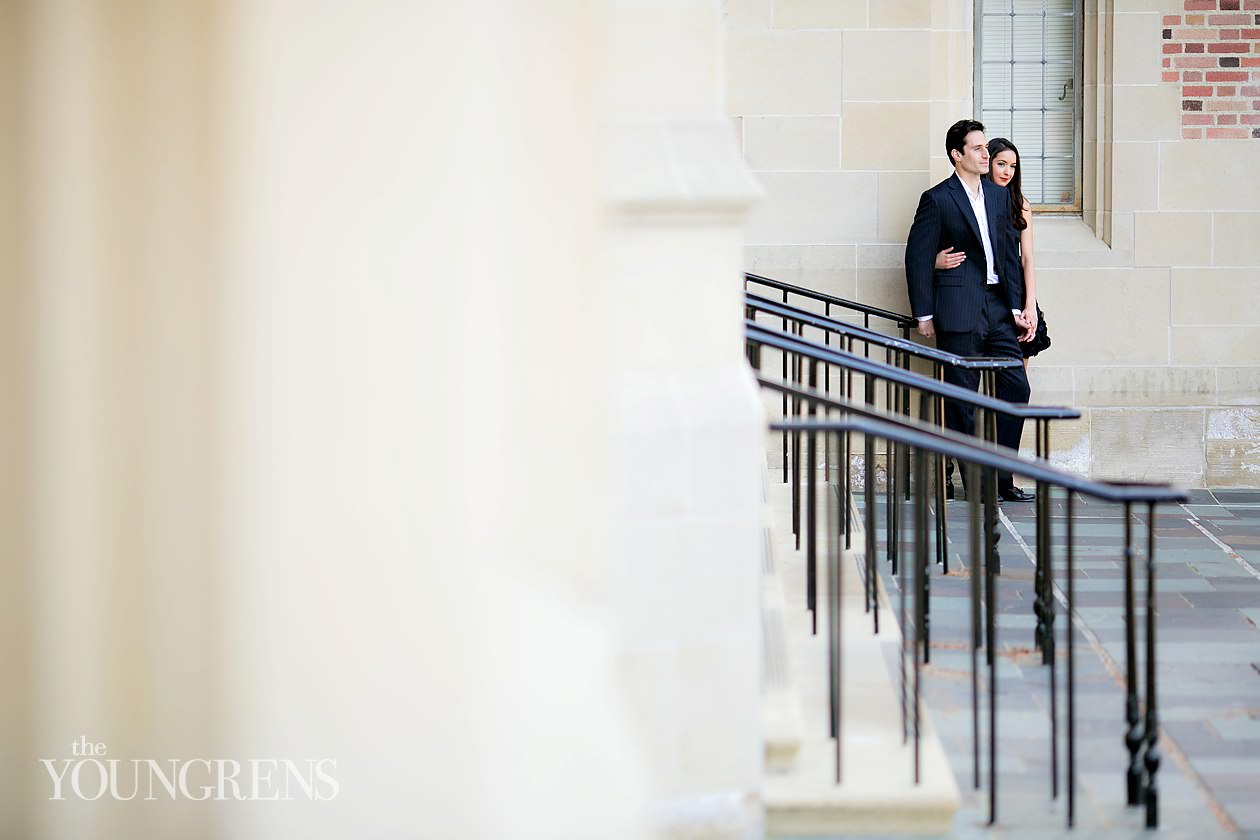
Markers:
1030,270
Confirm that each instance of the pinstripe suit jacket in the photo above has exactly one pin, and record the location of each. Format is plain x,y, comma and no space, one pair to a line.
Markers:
955,298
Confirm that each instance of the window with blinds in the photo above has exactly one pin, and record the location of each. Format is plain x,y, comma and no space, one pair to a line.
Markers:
1028,68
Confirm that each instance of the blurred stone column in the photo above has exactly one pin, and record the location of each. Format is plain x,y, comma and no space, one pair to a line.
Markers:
108,390
419,501
346,424
688,421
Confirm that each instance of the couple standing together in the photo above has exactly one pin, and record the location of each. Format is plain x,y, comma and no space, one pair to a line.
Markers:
969,271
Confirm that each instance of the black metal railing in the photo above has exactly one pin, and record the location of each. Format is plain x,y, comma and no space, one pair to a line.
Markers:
921,444
897,351
829,302
807,356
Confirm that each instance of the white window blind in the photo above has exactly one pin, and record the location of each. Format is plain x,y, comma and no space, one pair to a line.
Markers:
1028,90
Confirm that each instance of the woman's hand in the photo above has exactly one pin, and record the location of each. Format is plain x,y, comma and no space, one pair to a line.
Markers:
949,258
1030,320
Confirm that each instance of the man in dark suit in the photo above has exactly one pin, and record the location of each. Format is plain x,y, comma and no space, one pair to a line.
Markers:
973,307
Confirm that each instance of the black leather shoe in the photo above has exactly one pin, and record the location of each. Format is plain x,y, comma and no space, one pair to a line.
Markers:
1014,494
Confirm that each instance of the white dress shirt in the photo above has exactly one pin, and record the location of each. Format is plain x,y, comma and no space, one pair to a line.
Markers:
982,221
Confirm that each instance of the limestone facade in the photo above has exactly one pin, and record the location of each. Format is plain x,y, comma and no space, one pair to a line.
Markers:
1150,293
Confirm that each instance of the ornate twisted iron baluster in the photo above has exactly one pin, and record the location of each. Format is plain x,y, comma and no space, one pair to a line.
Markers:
1041,592
1134,737
1151,759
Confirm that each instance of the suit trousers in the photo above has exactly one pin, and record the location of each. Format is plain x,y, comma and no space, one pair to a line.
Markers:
994,336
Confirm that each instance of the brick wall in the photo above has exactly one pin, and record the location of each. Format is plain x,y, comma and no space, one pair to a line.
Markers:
1213,51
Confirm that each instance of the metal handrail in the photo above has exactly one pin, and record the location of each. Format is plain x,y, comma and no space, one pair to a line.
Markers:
903,321
964,448
898,382
760,334
921,351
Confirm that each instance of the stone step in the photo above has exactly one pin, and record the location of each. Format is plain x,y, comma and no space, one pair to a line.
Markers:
877,794
781,707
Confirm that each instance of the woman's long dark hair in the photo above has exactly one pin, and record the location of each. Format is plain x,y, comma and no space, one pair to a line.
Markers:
1001,144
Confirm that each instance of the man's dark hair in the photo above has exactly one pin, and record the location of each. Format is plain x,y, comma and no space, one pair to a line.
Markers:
956,137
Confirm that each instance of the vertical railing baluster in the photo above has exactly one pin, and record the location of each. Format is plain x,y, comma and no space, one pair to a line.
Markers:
1133,737
796,454
1047,650
784,354
901,586
811,502
827,341
1071,663
942,523
833,623
925,587
890,472
1152,718
904,362
827,390
838,575
920,598
868,491
990,577
975,564
848,457
1039,571
990,424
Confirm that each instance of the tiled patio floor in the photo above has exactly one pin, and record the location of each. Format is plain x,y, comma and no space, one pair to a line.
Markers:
1208,568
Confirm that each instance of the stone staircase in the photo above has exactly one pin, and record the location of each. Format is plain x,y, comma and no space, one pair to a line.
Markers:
878,794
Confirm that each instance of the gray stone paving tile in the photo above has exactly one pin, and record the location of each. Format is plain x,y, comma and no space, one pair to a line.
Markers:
1223,599
1227,584
1199,635
1239,729
1226,497
1109,584
1222,568
1163,600
1221,652
1209,511
1226,768
1094,565
1196,710
1200,496
1240,576
1202,617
